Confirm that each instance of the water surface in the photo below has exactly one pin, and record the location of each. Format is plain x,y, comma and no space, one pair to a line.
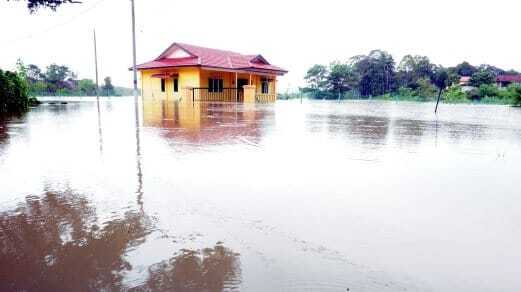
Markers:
319,196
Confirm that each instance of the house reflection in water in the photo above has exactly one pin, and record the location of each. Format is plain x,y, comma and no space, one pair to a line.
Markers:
57,242
206,122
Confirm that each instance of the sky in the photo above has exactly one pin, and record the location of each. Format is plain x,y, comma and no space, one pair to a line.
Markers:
291,34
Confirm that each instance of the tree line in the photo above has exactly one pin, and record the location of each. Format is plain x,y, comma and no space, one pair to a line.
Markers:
60,80
414,77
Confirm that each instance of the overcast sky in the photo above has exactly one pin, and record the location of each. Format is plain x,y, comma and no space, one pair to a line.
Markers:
290,34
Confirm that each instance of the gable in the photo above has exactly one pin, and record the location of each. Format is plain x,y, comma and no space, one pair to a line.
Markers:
259,59
177,53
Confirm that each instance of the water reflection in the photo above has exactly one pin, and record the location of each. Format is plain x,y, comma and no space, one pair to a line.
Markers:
210,269
205,122
56,243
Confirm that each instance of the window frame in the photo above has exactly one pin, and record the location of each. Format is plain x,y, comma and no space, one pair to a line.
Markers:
163,85
175,85
215,85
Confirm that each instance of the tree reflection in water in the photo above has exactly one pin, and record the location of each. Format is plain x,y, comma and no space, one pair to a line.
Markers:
53,243
212,269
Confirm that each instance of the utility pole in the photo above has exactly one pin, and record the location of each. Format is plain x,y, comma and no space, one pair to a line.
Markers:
134,52
96,65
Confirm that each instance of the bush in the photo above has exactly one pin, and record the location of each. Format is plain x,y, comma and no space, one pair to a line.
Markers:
488,90
455,94
514,92
13,93
426,90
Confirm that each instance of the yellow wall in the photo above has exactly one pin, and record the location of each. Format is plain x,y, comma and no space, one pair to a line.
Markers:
190,77
151,86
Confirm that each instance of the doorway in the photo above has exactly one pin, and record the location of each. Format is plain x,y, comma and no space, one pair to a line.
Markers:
240,90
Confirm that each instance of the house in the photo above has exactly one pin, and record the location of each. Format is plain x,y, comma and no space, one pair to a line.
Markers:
188,72
505,80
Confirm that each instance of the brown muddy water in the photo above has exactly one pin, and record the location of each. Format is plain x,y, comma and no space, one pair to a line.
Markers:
319,196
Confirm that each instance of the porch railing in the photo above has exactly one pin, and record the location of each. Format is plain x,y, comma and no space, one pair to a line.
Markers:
265,97
221,94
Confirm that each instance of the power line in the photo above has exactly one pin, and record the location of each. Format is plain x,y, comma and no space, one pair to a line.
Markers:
53,27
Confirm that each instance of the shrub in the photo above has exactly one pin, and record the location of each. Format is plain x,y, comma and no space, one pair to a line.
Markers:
13,93
426,90
488,90
455,94
405,91
514,91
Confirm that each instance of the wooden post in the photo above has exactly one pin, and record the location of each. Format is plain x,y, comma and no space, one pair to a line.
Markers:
237,90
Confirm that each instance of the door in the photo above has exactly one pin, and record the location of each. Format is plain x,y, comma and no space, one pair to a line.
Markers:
175,87
240,89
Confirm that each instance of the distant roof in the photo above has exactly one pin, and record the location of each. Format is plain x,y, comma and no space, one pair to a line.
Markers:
464,79
509,78
185,55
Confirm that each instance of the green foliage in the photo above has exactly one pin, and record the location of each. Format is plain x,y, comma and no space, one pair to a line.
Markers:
13,93
376,73
341,78
482,77
107,89
415,79
454,94
440,77
87,87
60,80
513,93
488,90
413,68
465,69
425,90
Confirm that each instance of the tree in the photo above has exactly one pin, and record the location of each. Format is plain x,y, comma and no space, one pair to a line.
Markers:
13,93
341,78
465,69
316,78
33,5
34,74
87,87
108,88
376,71
58,77
482,77
413,68
440,79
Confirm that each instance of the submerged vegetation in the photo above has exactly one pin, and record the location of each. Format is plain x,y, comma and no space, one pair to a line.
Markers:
415,78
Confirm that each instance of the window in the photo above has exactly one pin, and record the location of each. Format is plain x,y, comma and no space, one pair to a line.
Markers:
176,85
163,84
265,86
215,85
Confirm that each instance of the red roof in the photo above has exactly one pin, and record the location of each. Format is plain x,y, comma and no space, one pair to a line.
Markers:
509,78
190,55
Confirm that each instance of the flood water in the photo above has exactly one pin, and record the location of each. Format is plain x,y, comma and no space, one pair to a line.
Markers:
318,196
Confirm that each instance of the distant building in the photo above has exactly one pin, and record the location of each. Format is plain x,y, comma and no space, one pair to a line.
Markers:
464,81
505,80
